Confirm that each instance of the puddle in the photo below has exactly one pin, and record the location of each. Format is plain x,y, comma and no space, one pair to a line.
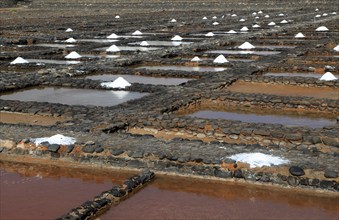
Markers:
141,79
184,68
59,62
163,43
22,118
243,52
47,192
284,90
183,198
296,74
260,117
71,96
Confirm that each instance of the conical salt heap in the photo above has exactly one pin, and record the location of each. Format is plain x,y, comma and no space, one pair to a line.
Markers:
283,22
73,55
113,48
70,40
321,28
271,23
336,48
119,83
328,76
113,36
256,26
215,23
137,33
299,35
117,17
246,46
244,29
144,44
173,21
220,59
19,60
176,37
204,18
231,32
69,30
209,34
195,59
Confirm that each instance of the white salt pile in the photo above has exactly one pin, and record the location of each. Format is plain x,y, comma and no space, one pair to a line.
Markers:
267,16
334,13
119,83
242,20
246,46
73,55
113,48
117,17
144,44
244,29
328,76
56,139
177,37
70,40
204,18
258,159
325,14
137,33
299,35
318,16
256,26
336,48
113,36
220,59
281,14
260,12
257,17
254,13
283,22
195,59
233,15
215,23
19,60
231,32
209,34
316,9
214,17
321,28
271,23
69,30
173,20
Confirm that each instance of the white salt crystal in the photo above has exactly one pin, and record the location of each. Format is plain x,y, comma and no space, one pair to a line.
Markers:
113,48
19,60
244,29
137,33
220,59
321,28
246,46
299,35
119,83
271,23
336,48
209,34
73,55
56,139
195,59
144,44
70,40
69,30
258,159
328,76
177,37
113,36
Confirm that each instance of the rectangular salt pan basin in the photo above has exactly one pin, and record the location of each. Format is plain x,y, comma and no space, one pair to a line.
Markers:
54,45
70,96
290,120
307,75
184,68
127,48
141,79
163,43
59,62
243,52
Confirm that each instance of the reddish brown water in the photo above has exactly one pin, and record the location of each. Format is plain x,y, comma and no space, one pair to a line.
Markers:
181,198
48,192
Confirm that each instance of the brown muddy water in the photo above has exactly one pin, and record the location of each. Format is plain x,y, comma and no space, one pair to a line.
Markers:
74,96
183,198
141,79
184,68
46,192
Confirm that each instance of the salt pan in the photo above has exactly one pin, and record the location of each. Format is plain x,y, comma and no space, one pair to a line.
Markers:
137,33
113,48
70,40
220,59
119,83
299,35
195,59
258,159
113,36
246,46
177,37
56,139
328,76
321,28
73,55
19,60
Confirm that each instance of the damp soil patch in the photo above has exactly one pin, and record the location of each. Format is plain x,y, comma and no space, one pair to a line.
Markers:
22,118
70,96
208,199
284,90
141,79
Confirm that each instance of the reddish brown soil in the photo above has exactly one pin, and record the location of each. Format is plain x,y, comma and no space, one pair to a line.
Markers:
21,118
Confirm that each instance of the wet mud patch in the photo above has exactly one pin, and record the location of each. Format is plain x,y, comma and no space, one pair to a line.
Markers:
31,119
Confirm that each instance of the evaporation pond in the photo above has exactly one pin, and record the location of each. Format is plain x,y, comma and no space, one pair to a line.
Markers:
58,62
184,68
71,96
296,74
141,79
162,43
33,192
243,52
182,198
288,120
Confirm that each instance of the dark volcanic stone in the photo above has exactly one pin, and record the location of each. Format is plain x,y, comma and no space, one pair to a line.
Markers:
99,150
222,174
292,181
88,149
238,174
326,184
296,171
330,174
1,149
314,182
69,148
53,148
117,152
